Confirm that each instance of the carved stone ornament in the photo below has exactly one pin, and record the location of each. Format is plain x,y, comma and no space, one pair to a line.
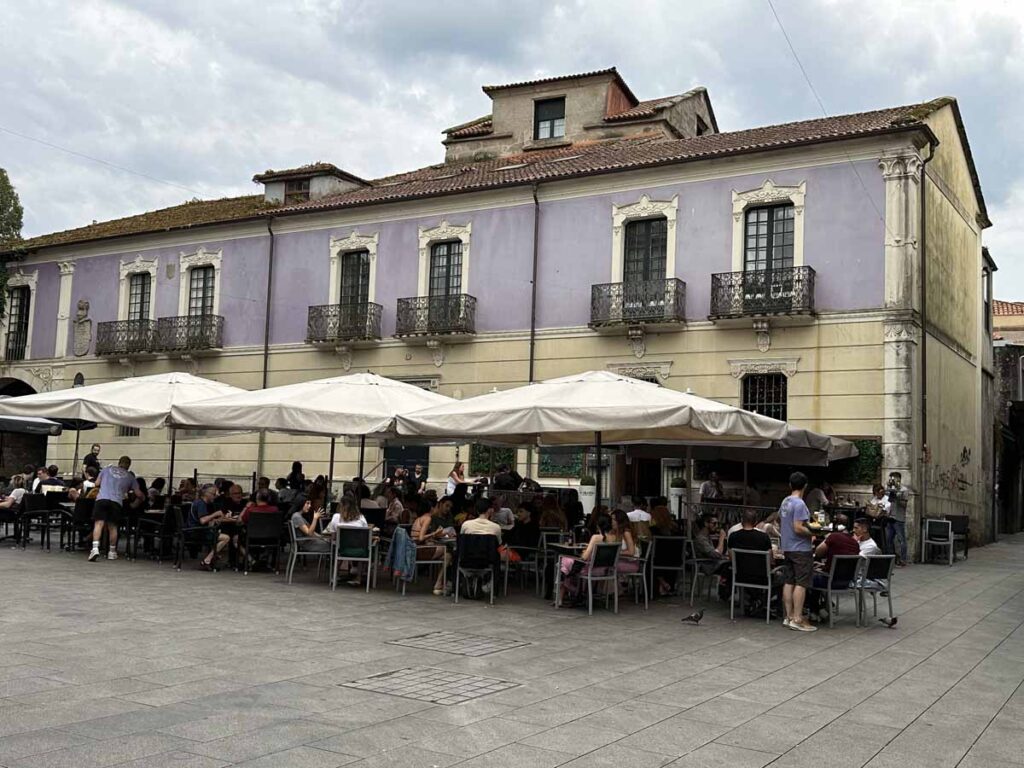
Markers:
83,329
769,192
436,352
45,376
900,330
764,335
344,354
900,166
646,371
128,364
192,362
741,367
635,336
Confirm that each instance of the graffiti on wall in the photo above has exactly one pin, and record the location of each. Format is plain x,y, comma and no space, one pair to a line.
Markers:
956,477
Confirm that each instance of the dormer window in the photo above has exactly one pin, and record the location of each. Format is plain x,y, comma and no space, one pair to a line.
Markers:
296,191
702,127
549,119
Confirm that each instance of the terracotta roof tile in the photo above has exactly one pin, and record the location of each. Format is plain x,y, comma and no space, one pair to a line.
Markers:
1007,307
479,127
304,171
579,159
543,80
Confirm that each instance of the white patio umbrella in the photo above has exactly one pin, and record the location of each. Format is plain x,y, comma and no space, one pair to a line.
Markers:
591,408
357,404
144,402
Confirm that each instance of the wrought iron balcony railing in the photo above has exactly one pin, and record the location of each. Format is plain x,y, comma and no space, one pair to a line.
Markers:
638,303
124,338
190,333
343,322
436,315
762,292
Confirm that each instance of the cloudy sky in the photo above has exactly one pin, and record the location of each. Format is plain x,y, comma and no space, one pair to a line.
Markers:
201,94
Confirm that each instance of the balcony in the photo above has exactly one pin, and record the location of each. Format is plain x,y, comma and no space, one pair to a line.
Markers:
190,333
125,338
331,323
645,302
763,292
453,315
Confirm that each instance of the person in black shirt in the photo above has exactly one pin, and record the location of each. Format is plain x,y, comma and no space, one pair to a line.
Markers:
748,537
296,479
92,459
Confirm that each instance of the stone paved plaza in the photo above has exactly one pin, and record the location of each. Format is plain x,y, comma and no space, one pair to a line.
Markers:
133,664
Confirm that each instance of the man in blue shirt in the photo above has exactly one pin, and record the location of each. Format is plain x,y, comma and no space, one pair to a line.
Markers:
113,486
796,546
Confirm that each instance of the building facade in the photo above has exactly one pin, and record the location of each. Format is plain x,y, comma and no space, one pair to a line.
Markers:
829,272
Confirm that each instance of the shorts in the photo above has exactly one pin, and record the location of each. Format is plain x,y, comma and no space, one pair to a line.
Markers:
107,511
801,569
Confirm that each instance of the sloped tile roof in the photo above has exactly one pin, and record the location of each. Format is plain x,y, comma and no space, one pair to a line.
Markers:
479,127
579,159
1007,307
488,89
305,171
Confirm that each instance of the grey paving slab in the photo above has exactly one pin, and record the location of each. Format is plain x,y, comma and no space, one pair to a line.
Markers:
258,685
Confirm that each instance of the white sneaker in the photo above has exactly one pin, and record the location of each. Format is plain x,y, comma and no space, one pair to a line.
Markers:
799,626
111,555
94,555
785,622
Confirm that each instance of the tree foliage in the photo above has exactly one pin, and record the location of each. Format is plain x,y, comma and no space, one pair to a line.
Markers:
11,212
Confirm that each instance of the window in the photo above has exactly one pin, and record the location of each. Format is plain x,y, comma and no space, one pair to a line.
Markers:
200,295
769,238
139,296
549,119
986,294
702,127
445,268
645,250
19,305
296,191
765,393
355,277
128,432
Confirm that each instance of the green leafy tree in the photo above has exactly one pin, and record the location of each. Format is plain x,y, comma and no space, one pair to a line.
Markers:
11,216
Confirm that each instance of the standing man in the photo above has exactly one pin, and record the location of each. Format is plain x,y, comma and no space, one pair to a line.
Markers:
92,458
899,496
114,485
711,489
796,547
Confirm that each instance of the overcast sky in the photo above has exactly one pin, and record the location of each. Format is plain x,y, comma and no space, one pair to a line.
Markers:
205,93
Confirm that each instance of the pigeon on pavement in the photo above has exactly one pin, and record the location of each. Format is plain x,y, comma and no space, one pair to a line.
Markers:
890,623
694,618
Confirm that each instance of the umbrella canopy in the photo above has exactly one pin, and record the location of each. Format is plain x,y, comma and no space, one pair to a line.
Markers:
800,447
30,425
357,404
571,409
142,401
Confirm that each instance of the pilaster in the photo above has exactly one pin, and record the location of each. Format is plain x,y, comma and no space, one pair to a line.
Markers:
67,272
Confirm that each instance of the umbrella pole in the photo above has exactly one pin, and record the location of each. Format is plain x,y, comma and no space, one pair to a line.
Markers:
689,484
362,455
330,472
597,471
744,482
74,463
170,465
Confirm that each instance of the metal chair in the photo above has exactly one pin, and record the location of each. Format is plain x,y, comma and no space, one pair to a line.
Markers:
262,531
295,552
843,575
35,506
875,580
937,533
667,553
639,578
692,561
961,527
751,569
477,555
600,568
79,523
357,546
183,534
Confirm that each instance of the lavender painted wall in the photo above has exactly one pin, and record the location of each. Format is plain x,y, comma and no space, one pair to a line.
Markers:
44,319
843,241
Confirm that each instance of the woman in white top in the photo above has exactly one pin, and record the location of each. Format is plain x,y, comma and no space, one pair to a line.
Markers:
349,516
17,491
456,476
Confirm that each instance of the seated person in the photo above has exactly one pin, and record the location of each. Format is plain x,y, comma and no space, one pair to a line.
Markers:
50,481
261,505
862,532
304,522
836,543
748,537
13,499
878,504
551,516
349,516
770,525
187,490
709,544
482,524
156,490
263,484
285,494
395,513
502,514
662,523
201,515
91,473
612,529
424,533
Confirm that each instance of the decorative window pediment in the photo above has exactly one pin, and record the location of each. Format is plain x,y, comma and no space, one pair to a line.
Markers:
768,193
741,367
647,371
137,266
186,263
348,244
444,231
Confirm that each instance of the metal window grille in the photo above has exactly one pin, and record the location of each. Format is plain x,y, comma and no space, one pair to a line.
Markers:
549,119
355,277
201,287
139,296
19,304
646,241
769,238
446,268
296,191
765,393
128,432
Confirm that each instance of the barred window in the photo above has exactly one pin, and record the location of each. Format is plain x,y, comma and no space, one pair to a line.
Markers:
19,304
769,238
646,242
139,296
765,393
446,268
296,191
355,277
201,286
128,432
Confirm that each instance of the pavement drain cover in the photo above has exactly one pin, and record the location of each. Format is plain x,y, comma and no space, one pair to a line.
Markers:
438,686
459,643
